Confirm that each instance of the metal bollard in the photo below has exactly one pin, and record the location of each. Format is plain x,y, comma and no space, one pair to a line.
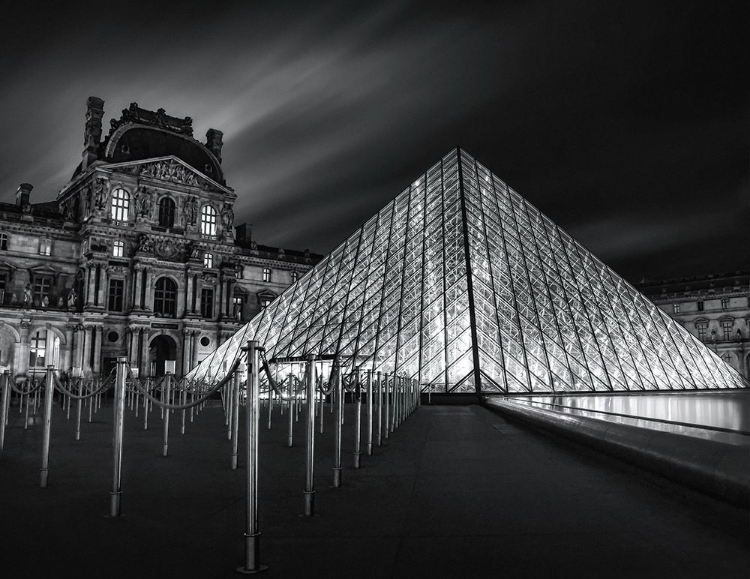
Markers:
357,419
252,534
387,406
229,407
290,414
183,401
4,407
271,395
322,398
78,413
119,419
310,440
235,391
339,423
166,393
49,390
380,410
369,413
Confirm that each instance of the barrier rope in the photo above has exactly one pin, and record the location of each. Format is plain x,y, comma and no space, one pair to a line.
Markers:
195,402
105,384
30,390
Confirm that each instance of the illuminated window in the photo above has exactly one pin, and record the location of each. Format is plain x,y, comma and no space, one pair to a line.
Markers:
3,241
38,349
726,327
166,212
207,302
45,247
116,291
294,276
265,302
118,249
266,274
237,302
120,205
724,303
208,221
675,308
165,297
208,260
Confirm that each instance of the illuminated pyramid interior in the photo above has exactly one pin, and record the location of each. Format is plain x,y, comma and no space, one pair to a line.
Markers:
461,283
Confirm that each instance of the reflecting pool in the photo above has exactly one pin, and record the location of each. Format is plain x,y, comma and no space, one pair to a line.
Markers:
721,416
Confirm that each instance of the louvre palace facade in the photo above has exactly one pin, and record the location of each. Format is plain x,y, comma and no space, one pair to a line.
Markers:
138,255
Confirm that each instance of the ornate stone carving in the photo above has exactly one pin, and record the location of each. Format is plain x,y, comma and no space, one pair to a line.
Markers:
101,193
170,170
144,201
227,217
165,248
190,211
145,244
158,118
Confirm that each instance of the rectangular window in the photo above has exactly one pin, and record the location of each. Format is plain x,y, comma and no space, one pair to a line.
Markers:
116,291
237,307
45,247
207,302
3,286
118,249
675,308
264,303
208,260
38,349
700,306
724,303
727,327
266,274
702,333
42,286
294,277
3,241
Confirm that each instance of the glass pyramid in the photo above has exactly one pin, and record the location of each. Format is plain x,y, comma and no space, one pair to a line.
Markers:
461,283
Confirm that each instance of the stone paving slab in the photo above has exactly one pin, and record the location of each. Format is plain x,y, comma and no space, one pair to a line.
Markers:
456,491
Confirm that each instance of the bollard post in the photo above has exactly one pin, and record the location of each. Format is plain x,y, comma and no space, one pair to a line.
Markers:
369,413
166,393
290,414
183,401
387,406
78,412
338,390
235,390
228,396
119,418
310,440
49,390
322,399
252,534
380,409
4,408
271,395
357,419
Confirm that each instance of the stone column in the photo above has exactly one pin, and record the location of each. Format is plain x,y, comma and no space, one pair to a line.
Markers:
88,342
136,289
149,302
90,284
103,280
23,356
80,342
181,305
188,292
185,351
145,365
98,334
68,352
230,298
193,349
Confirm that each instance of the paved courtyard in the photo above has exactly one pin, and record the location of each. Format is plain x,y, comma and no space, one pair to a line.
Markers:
456,491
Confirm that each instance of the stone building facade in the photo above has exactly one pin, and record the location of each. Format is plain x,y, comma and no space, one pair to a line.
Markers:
138,256
714,308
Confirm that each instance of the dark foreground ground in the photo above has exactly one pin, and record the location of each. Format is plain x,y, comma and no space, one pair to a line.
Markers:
456,491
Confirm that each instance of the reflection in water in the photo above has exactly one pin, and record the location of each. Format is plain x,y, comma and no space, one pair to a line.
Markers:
707,415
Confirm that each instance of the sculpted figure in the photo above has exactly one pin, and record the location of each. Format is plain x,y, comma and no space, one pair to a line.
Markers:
27,296
71,300
227,217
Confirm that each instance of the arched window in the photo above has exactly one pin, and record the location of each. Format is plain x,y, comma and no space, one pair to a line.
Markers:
165,297
166,212
120,205
208,221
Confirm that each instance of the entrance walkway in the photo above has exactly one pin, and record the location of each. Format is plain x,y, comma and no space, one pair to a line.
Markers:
457,491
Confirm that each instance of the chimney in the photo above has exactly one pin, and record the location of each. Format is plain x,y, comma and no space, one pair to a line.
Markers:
23,194
93,131
214,142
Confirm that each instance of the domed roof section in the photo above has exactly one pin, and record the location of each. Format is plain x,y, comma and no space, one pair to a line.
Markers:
141,134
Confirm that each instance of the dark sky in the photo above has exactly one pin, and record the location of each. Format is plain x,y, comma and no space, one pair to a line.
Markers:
626,122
